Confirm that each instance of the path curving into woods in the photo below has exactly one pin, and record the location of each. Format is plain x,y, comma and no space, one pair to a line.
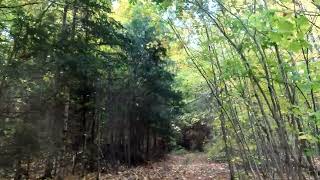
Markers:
191,166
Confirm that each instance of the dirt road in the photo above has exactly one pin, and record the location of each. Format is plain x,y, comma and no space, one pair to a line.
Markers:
191,166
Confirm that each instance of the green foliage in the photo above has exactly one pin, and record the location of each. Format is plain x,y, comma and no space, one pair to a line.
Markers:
215,150
179,151
258,62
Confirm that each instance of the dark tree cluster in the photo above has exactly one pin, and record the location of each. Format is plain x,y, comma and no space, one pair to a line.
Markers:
80,92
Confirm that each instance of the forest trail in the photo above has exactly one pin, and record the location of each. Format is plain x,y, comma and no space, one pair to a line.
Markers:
188,166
